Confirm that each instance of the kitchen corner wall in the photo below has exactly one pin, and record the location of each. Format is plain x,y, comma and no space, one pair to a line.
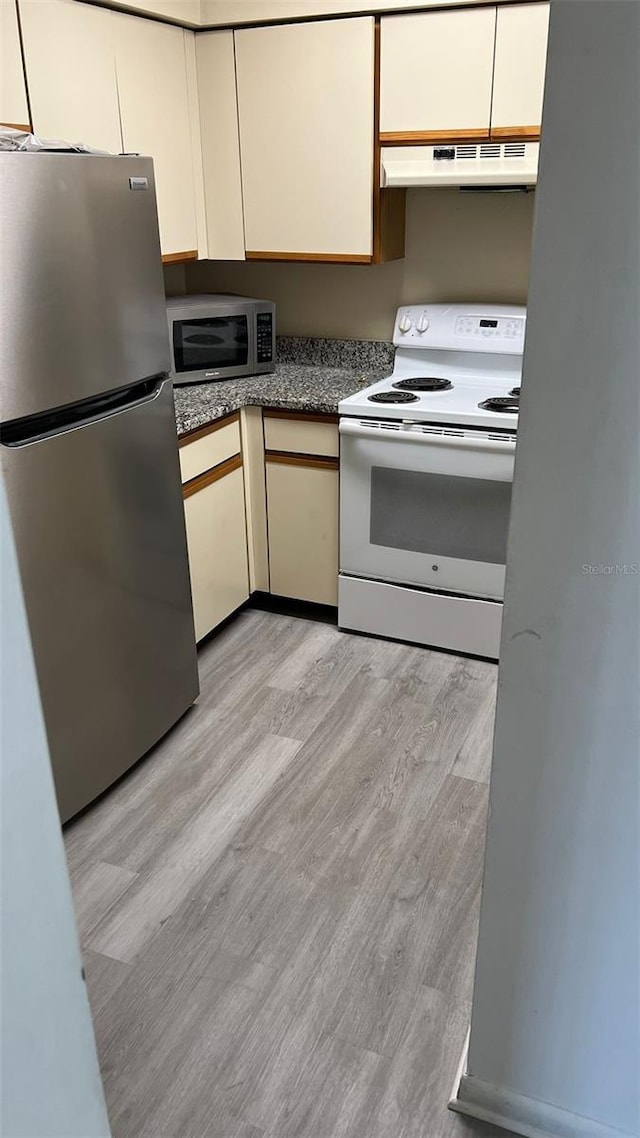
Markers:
459,246
174,280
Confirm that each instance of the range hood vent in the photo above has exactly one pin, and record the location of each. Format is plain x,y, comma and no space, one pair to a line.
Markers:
461,164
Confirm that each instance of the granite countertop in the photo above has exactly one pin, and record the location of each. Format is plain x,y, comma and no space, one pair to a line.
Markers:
310,375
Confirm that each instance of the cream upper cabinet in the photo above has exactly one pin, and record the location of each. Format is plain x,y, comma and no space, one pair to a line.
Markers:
71,73
520,61
436,73
306,112
14,110
216,69
156,114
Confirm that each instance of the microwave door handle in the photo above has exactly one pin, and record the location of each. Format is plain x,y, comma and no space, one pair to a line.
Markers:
503,444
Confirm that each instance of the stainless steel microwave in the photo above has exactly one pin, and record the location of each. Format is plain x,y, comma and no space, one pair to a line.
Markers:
218,336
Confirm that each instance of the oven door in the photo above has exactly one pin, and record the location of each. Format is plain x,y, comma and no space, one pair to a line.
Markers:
424,505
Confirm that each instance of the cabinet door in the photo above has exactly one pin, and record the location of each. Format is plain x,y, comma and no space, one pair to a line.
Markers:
70,63
436,73
217,541
520,61
220,145
154,105
302,512
305,103
13,93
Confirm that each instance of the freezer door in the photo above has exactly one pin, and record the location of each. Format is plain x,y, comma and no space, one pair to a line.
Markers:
82,306
99,526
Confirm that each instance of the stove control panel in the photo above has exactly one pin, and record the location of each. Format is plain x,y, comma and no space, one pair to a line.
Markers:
509,328
496,328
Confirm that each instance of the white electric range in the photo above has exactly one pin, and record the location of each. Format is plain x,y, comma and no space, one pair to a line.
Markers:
426,467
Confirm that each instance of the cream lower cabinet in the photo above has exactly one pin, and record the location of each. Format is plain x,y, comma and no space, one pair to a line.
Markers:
302,506
214,507
261,511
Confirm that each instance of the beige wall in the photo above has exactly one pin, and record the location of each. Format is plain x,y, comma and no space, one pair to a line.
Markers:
459,247
174,280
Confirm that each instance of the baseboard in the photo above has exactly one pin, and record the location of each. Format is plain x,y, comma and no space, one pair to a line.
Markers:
527,1116
287,606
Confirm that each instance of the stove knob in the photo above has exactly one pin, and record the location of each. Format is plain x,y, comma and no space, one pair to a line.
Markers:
404,323
422,324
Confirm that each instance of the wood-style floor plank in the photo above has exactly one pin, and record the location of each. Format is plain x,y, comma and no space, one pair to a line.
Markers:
103,976
191,852
278,907
474,757
95,890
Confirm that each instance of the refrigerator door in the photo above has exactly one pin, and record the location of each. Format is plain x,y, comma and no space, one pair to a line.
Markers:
97,513
82,306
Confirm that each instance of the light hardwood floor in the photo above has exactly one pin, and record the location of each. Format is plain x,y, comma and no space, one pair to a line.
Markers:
278,906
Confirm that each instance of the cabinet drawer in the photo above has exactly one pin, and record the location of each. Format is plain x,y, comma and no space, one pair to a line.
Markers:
208,447
315,435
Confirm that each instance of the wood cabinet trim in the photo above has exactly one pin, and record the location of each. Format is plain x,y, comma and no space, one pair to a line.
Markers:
201,432
213,475
327,258
389,205
376,211
299,416
433,137
515,133
316,461
175,258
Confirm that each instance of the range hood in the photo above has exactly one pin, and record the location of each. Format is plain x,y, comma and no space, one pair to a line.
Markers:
488,164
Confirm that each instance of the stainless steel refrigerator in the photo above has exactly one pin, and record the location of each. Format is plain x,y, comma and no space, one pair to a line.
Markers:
90,460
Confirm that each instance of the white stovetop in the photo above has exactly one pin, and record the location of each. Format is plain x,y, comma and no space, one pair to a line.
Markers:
458,405
480,364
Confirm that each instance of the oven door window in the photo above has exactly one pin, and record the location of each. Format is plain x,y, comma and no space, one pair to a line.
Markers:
440,514
210,344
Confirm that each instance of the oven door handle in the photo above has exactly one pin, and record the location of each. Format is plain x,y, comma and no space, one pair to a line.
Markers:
467,440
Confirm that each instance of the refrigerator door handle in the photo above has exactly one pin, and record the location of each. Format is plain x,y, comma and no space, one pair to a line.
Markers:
35,428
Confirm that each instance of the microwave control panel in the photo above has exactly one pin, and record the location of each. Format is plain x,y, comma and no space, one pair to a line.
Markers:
264,337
